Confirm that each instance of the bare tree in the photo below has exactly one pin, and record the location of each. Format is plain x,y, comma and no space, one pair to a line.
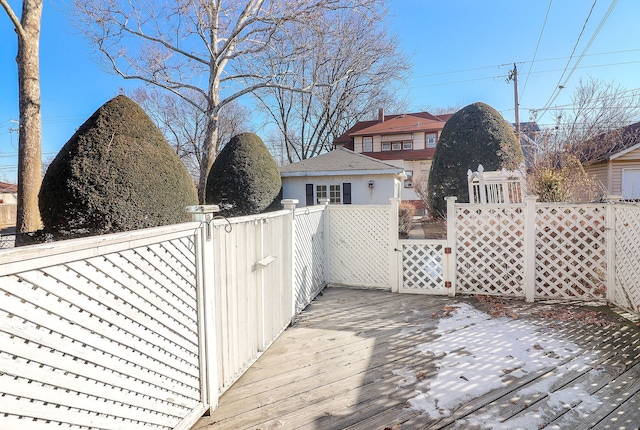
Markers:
30,130
184,125
587,131
362,59
220,50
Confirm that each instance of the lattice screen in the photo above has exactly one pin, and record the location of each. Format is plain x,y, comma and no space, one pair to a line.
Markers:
423,266
106,342
571,251
308,255
627,287
490,249
358,248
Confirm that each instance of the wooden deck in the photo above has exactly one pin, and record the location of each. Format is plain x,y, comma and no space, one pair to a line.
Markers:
360,359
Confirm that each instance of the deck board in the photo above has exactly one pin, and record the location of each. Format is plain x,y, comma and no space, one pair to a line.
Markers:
352,360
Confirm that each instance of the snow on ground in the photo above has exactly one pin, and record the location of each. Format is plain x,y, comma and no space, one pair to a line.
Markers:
475,352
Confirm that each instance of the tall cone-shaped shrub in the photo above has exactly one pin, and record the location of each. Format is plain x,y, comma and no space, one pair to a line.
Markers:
116,173
476,134
245,178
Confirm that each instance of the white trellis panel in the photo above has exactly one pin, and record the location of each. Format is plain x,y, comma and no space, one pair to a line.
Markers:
358,246
490,249
308,255
107,338
423,270
571,260
627,266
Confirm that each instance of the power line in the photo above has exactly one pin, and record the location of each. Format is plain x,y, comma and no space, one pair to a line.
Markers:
536,51
558,88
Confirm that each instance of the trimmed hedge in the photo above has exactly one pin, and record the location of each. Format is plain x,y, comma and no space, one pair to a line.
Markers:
244,178
116,173
476,134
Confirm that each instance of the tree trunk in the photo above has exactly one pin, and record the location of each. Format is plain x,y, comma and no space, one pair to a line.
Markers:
29,151
210,148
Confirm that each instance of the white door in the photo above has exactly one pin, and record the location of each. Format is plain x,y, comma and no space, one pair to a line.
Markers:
630,184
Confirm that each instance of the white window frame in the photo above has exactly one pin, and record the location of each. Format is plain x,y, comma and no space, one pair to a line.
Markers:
386,146
407,145
335,194
367,144
396,146
321,193
430,140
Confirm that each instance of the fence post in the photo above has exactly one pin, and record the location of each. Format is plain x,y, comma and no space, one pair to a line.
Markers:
206,302
450,270
395,258
290,205
611,247
530,248
327,242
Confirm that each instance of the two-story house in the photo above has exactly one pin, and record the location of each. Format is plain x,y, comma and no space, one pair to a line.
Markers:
407,141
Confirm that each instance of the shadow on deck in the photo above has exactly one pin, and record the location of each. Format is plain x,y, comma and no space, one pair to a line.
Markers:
360,359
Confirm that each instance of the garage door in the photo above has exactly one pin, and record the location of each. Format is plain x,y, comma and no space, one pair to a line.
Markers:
630,184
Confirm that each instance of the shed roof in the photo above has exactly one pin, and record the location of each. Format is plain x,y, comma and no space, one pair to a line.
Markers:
339,161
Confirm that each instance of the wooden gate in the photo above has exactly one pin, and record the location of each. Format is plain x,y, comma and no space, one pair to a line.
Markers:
423,266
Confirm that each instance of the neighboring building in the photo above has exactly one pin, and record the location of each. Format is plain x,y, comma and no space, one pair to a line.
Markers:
343,177
407,141
8,193
8,204
617,168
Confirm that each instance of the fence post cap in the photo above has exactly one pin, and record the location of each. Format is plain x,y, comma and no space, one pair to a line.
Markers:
202,209
613,198
289,203
451,198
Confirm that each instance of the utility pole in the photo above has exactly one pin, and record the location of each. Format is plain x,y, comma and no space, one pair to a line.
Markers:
513,75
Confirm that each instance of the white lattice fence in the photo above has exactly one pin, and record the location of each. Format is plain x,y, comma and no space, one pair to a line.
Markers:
490,249
308,255
627,267
101,332
358,251
423,270
571,251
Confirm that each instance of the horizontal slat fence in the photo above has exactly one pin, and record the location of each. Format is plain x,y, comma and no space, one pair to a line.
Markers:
101,333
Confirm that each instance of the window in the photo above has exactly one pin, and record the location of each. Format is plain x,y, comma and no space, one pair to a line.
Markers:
346,193
321,193
396,146
386,146
367,144
408,183
334,193
431,140
407,144
309,195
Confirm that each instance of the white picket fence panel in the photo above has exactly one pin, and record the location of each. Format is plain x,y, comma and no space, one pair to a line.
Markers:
101,332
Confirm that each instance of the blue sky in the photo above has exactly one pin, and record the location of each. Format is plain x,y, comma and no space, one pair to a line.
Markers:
461,50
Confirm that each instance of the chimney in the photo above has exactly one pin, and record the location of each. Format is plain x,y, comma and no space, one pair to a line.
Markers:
381,115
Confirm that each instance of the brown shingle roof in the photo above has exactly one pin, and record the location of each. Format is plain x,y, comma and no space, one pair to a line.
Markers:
403,124
8,188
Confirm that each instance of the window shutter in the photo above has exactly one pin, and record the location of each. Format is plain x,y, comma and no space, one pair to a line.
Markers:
346,193
309,196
